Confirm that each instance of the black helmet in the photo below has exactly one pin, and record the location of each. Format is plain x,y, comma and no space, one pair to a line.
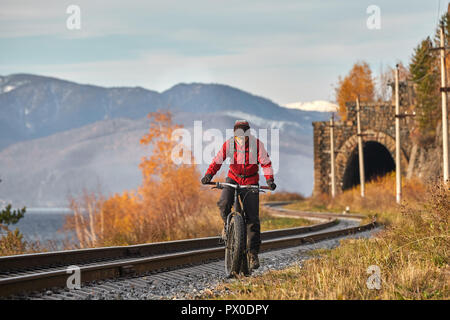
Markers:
241,124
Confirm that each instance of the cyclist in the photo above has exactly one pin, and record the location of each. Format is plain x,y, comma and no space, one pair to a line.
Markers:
246,153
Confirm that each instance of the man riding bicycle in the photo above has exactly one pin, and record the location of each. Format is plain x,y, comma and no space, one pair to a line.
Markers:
246,153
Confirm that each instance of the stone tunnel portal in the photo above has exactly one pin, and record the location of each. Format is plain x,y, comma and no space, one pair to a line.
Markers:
378,162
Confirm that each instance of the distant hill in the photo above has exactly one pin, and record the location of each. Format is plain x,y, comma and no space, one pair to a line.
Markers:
57,137
34,106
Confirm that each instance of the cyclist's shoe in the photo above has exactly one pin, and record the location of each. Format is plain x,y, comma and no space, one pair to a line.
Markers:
253,260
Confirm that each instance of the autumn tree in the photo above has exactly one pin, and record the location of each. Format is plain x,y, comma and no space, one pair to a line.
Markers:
358,82
169,204
169,190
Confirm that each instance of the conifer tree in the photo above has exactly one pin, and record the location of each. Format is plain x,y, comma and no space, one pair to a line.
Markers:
8,216
425,74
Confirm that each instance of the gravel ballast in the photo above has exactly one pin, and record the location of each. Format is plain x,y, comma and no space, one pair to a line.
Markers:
188,282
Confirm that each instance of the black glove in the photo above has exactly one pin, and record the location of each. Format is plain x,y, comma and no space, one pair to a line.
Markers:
271,184
207,178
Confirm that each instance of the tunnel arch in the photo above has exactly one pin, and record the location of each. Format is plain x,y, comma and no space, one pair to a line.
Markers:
377,162
379,155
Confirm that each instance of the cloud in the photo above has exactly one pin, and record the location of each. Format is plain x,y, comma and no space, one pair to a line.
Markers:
286,51
318,105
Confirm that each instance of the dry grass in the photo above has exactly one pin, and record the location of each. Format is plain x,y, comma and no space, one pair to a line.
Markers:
379,199
269,222
281,196
412,254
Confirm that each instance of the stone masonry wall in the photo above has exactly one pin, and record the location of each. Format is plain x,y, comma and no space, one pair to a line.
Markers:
377,121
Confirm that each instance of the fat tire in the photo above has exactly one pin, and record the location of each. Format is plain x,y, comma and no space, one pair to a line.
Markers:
245,270
235,247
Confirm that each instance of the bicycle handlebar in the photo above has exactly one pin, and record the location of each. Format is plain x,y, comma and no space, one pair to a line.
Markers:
237,186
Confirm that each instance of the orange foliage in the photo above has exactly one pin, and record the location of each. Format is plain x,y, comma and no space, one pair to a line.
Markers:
358,82
170,204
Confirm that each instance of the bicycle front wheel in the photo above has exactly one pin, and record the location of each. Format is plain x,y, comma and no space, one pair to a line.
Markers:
235,248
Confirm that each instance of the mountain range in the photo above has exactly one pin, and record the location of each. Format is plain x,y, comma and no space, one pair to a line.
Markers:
58,137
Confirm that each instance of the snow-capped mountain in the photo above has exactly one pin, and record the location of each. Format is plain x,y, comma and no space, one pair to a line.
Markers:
317,105
57,137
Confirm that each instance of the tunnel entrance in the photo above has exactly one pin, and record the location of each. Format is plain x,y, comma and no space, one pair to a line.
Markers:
377,162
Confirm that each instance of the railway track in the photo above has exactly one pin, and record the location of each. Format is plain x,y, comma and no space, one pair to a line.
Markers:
26,273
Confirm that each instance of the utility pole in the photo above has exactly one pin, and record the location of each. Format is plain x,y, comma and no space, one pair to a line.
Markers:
444,108
333,176
398,172
360,148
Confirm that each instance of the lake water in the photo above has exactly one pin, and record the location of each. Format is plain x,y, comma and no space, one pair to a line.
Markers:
44,224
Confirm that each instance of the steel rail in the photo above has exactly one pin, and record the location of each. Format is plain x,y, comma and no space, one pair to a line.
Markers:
310,214
17,263
138,259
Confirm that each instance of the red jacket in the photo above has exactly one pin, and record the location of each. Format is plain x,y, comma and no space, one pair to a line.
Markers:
243,170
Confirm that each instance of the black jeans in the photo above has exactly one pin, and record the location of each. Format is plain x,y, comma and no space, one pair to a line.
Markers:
250,202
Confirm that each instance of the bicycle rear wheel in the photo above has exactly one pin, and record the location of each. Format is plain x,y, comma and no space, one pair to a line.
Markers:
235,247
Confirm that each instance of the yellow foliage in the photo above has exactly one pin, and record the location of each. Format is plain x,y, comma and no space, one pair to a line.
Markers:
358,82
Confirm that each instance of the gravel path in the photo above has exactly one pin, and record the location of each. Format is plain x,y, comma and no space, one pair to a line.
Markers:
189,282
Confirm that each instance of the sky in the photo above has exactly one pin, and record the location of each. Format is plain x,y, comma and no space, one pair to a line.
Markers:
287,51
